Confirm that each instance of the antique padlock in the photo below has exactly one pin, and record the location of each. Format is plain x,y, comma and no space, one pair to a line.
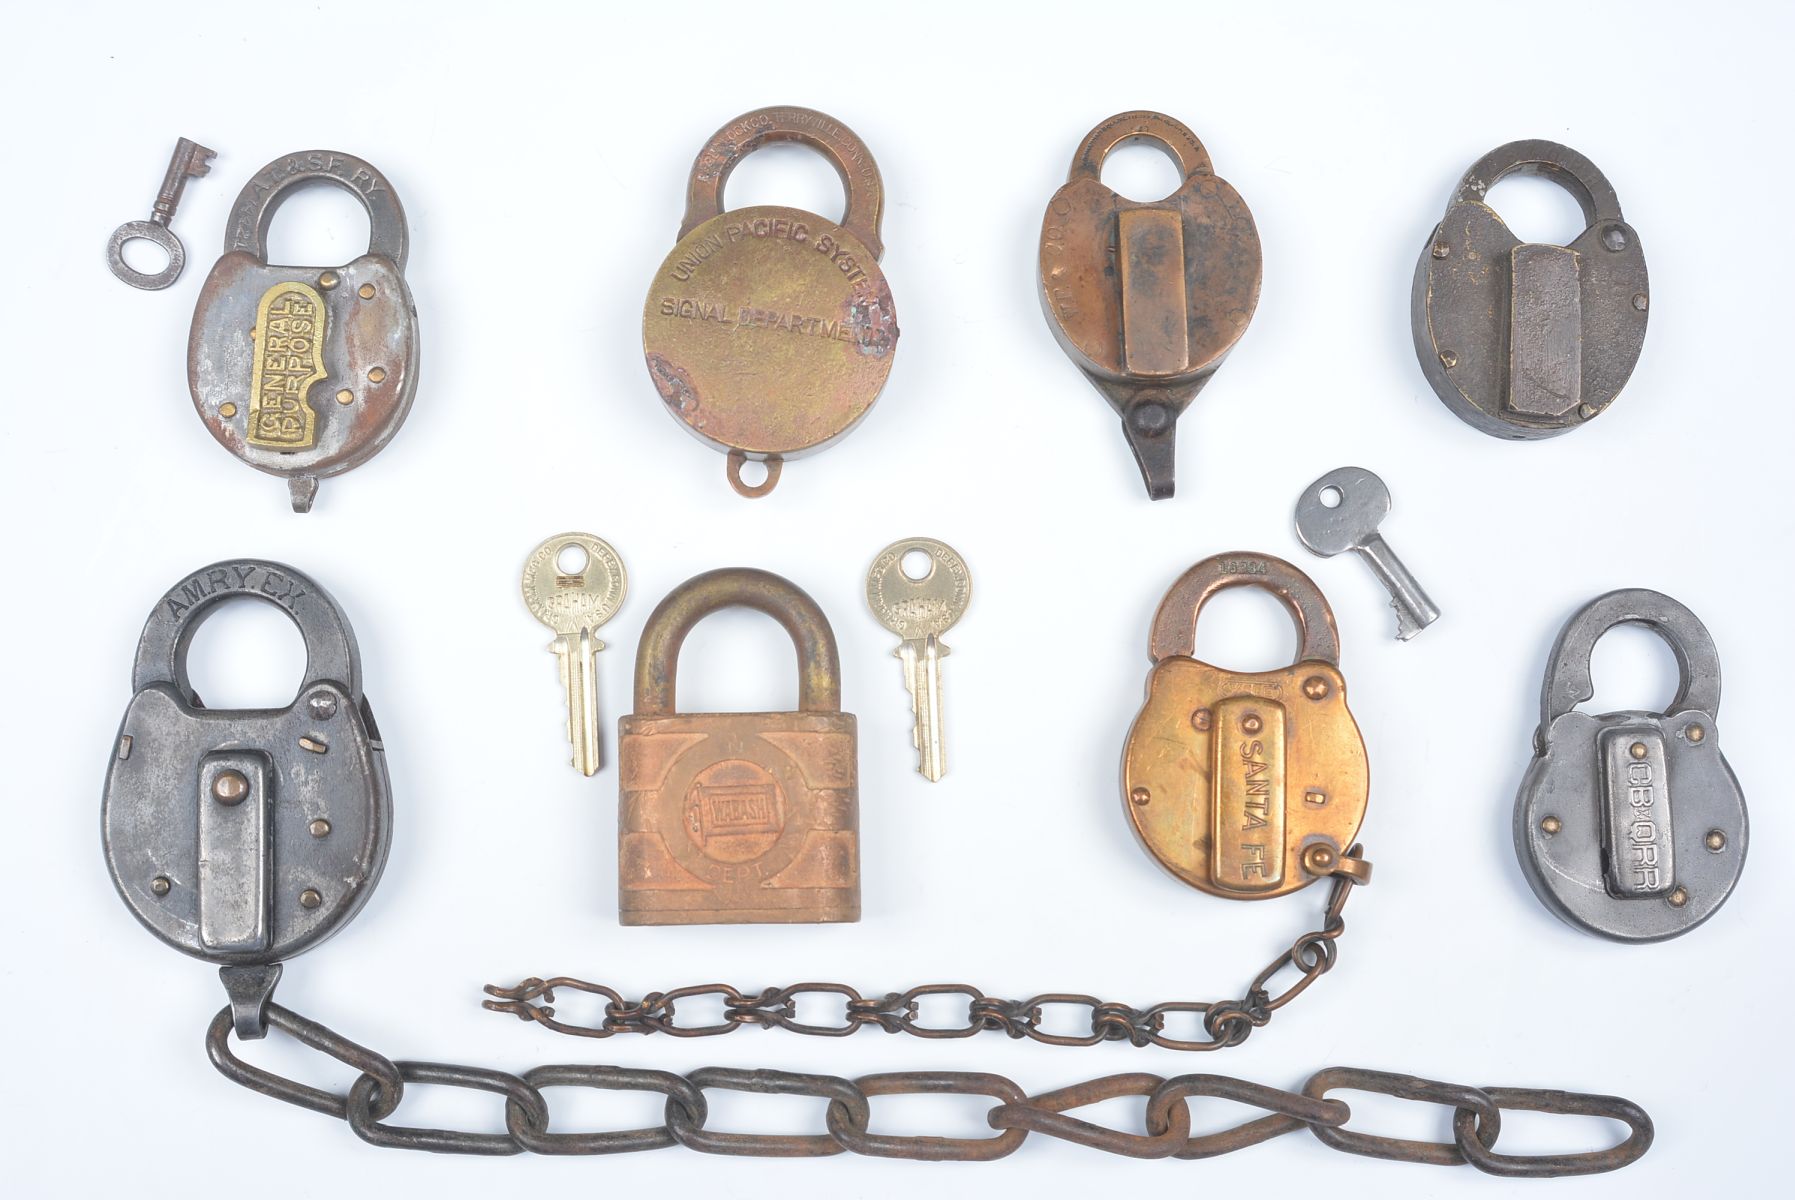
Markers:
1523,339
769,331
735,818
1246,785
305,372
1631,825
1148,298
245,837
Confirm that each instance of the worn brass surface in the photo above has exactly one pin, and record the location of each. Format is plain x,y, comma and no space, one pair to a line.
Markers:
1242,784
769,331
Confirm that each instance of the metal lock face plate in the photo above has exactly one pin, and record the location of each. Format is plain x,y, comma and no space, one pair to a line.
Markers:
1631,825
733,818
769,331
246,837
1148,298
1245,785
305,372
1521,339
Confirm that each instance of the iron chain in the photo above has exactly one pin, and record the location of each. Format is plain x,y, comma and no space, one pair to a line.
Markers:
379,1088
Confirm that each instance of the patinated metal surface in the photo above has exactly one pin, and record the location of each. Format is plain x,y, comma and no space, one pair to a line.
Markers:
1246,785
1148,298
730,818
769,331
190,160
1520,339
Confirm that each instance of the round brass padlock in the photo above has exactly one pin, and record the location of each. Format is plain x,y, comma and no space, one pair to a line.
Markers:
769,331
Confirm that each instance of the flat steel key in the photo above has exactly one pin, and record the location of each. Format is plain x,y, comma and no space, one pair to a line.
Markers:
920,608
190,161
574,583
1341,511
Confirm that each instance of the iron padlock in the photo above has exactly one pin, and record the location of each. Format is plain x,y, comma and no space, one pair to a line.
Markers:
769,331
1246,785
735,818
245,837
1148,298
1523,339
306,372
1631,825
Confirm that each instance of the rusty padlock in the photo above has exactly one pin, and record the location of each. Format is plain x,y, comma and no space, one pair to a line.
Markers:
1247,785
737,818
769,331
1525,340
1148,298
306,372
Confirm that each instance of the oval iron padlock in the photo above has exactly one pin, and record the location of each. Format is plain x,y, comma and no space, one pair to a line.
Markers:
1631,825
1148,298
306,372
245,837
1526,340
733,818
769,331
1246,785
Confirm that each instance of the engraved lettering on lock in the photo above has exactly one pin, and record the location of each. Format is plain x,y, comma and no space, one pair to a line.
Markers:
735,811
289,359
282,589
1636,813
1247,794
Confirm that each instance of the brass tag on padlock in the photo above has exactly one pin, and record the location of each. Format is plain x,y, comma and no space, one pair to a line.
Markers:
735,818
1246,785
769,331
1148,298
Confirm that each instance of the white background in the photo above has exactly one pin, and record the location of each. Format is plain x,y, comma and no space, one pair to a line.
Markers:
541,156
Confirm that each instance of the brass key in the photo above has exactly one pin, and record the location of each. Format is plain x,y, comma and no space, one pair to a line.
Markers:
920,609
574,597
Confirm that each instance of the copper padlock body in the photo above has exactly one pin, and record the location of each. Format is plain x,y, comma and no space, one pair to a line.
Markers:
769,331
738,818
1148,297
1246,785
306,372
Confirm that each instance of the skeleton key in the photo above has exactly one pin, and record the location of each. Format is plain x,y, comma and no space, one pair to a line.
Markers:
1359,501
920,609
190,160
574,598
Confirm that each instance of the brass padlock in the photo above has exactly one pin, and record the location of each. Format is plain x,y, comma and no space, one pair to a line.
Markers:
1148,298
306,372
769,331
1246,785
736,818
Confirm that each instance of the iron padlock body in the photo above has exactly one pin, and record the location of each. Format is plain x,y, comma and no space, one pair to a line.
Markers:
1148,298
735,818
1631,825
306,372
245,837
1246,785
769,331
1526,340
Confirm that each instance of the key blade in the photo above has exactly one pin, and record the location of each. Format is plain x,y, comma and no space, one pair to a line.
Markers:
1415,610
922,676
577,655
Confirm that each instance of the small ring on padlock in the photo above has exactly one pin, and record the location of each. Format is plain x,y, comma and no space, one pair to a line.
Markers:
1559,163
1174,136
822,133
1174,629
733,468
253,211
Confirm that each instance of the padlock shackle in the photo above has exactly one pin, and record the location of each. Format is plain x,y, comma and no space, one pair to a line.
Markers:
784,123
253,212
657,656
1568,679
1142,125
330,650
1536,156
1174,631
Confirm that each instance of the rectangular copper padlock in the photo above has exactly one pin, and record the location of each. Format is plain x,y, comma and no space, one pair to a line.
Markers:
738,818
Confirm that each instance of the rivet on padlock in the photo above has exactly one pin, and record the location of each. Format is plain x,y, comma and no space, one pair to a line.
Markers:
1631,825
245,837
1521,339
1148,298
733,818
769,331
1246,785
306,372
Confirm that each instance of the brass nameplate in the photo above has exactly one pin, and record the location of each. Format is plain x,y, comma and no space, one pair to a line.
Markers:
289,337
1247,753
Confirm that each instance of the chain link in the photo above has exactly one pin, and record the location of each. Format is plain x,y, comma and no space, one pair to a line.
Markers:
377,1092
1224,1022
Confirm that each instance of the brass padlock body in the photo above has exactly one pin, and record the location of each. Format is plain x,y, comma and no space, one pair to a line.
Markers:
736,818
1245,785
